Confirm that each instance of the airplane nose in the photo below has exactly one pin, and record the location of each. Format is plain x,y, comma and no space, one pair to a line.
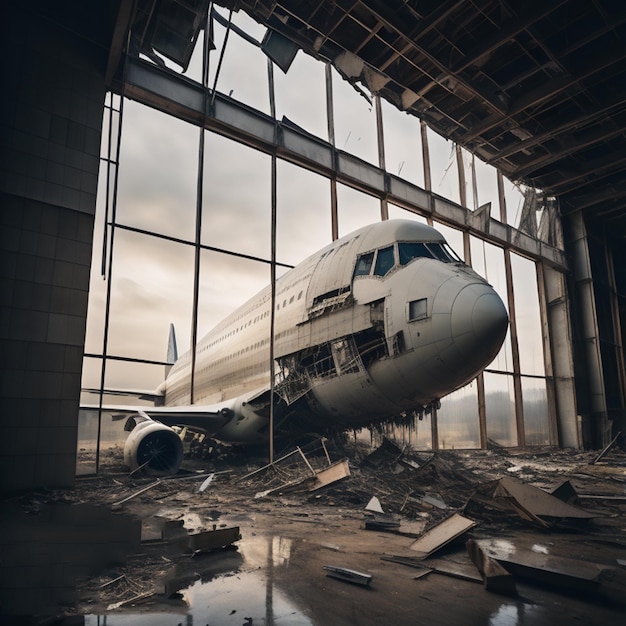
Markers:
479,323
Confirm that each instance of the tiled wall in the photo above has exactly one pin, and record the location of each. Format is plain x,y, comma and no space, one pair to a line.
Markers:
50,125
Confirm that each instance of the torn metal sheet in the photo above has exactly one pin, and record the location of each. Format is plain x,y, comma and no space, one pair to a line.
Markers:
537,502
565,491
374,505
495,577
440,567
212,539
547,569
349,575
442,534
530,503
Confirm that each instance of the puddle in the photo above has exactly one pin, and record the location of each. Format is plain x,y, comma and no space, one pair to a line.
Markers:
518,614
245,596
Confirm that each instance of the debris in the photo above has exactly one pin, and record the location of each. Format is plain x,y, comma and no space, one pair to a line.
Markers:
337,471
565,492
423,573
603,453
112,582
207,482
137,598
137,493
495,577
381,524
387,453
212,539
374,505
546,569
529,502
442,568
326,476
442,534
349,575
434,501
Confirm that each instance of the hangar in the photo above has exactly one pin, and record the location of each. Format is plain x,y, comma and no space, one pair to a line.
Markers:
530,99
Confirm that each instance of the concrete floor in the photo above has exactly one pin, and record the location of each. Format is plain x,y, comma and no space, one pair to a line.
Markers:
276,575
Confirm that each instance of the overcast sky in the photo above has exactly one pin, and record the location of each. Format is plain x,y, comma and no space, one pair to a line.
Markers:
152,279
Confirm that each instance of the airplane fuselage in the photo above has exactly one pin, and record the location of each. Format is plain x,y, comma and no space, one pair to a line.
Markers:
379,323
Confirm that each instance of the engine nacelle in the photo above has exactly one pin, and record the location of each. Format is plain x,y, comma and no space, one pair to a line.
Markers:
153,446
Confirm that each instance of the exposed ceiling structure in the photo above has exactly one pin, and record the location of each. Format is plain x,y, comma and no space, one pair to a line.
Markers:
535,88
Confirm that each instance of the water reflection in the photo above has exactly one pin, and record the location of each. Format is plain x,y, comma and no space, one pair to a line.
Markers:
517,614
245,596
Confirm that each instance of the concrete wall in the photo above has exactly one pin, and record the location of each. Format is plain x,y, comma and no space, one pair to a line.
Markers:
50,126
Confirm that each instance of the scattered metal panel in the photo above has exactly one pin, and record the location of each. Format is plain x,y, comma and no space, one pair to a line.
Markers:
495,577
212,539
349,575
442,534
535,504
563,572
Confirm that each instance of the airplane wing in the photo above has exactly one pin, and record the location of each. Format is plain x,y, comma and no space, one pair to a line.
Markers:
154,443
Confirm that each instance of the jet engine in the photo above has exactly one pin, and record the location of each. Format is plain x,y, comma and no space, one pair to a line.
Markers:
153,446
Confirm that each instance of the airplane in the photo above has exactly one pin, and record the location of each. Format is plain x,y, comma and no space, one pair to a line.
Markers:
377,326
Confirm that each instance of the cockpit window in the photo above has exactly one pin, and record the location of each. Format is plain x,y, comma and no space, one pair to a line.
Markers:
364,264
384,261
431,250
412,250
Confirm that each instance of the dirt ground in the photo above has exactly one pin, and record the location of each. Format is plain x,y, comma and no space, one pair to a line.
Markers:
275,573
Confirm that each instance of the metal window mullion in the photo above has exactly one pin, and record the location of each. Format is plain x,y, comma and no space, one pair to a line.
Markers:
517,382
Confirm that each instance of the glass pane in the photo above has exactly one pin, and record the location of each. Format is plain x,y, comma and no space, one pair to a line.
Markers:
488,261
301,94
500,409
355,209
514,198
158,172
94,333
384,261
443,168
453,236
396,212
226,282
487,186
403,144
303,213
237,197
243,73
536,420
152,286
457,419
527,316
112,438
355,121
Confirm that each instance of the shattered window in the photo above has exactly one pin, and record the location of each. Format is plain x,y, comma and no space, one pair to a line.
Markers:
364,264
384,261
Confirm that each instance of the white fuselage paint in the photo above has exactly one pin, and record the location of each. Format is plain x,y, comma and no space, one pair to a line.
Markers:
458,329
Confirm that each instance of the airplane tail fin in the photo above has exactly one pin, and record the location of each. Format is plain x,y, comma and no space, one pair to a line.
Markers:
172,350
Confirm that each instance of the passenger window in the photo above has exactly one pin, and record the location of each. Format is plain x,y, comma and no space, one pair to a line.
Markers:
384,261
364,264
